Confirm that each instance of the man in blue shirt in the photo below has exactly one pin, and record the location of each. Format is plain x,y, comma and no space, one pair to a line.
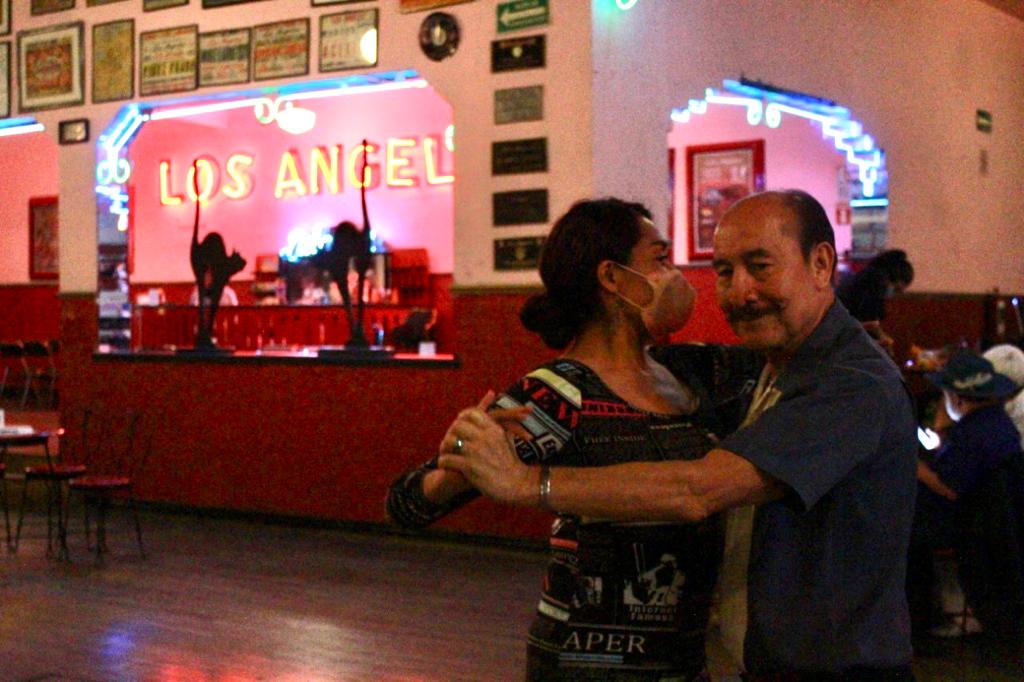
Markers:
830,460
978,438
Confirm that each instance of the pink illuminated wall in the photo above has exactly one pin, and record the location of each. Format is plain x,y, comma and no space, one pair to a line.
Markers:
417,216
35,158
796,157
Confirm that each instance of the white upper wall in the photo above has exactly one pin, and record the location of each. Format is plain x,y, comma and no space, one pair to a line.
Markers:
912,71
465,79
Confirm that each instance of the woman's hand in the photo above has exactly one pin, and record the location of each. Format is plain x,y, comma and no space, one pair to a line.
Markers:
478,447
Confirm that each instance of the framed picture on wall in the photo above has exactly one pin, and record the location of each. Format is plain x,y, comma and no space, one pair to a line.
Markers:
93,3
718,175
113,61
42,238
51,67
50,6
168,60
5,17
280,49
5,80
345,40
208,4
153,5
225,57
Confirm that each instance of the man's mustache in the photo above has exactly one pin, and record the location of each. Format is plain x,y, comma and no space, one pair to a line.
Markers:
749,313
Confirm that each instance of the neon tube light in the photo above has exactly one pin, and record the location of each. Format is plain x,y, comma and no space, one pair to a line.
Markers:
768,106
23,129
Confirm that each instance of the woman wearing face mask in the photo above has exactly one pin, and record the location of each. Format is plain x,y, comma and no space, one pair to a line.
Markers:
620,601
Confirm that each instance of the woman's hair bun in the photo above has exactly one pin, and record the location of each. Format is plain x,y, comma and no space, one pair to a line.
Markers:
556,324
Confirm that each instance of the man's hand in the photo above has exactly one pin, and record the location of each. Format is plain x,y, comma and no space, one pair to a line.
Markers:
477,446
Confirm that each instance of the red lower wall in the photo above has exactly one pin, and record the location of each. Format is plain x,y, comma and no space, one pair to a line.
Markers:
29,312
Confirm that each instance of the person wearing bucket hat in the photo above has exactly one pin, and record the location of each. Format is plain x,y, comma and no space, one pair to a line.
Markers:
978,437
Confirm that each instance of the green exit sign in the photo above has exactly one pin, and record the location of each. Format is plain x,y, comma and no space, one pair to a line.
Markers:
520,14
983,120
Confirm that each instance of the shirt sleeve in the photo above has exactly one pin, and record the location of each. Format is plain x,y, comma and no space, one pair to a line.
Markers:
555,404
817,433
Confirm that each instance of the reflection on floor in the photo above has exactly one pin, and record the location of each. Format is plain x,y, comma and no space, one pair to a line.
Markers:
230,601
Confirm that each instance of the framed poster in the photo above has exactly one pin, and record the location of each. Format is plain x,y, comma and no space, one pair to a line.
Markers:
50,6
209,4
5,17
93,3
153,5
5,80
225,57
317,3
168,60
718,175
113,61
280,49
51,67
348,40
406,6
42,238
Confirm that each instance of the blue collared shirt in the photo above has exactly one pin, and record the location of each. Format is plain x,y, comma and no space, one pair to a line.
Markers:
828,560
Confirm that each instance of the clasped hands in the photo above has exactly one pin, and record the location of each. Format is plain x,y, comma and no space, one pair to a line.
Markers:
478,445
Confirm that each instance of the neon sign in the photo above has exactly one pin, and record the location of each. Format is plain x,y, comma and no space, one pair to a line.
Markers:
407,162
767,106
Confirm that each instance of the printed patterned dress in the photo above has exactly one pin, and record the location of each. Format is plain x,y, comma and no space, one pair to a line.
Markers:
620,601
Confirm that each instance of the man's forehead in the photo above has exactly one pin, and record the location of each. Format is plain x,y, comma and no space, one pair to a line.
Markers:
757,224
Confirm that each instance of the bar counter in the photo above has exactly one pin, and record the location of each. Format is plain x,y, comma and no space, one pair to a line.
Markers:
307,355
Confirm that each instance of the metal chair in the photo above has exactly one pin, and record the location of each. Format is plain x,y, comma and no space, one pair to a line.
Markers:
116,469
13,357
39,366
55,474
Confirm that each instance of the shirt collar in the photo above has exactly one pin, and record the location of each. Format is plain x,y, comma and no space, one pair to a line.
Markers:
821,344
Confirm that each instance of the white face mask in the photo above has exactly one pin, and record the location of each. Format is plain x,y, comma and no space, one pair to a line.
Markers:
671,302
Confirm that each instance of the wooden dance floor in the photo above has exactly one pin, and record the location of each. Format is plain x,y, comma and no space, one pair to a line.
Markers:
236,601
231,601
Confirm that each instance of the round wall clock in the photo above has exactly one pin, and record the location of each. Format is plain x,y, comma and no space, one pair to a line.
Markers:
439,36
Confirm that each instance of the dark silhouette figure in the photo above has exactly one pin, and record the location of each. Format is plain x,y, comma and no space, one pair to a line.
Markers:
350,245
212,268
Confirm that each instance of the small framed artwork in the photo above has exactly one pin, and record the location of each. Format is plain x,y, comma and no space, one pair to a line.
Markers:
168,60
74,131
209,4
5,80
153,5
225,57
94,3
5,17
348,40
50,6
718,175
42,238
280,49
318,3
51,67
113,61
406,6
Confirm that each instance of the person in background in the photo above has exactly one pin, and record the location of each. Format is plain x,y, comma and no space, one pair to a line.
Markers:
977,438
1009,360
864,293
827,454
227,297
621,601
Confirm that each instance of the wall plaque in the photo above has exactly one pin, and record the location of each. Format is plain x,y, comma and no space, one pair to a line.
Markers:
523,207
512,54
225,57
520,253
520,14
515,105
519,156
